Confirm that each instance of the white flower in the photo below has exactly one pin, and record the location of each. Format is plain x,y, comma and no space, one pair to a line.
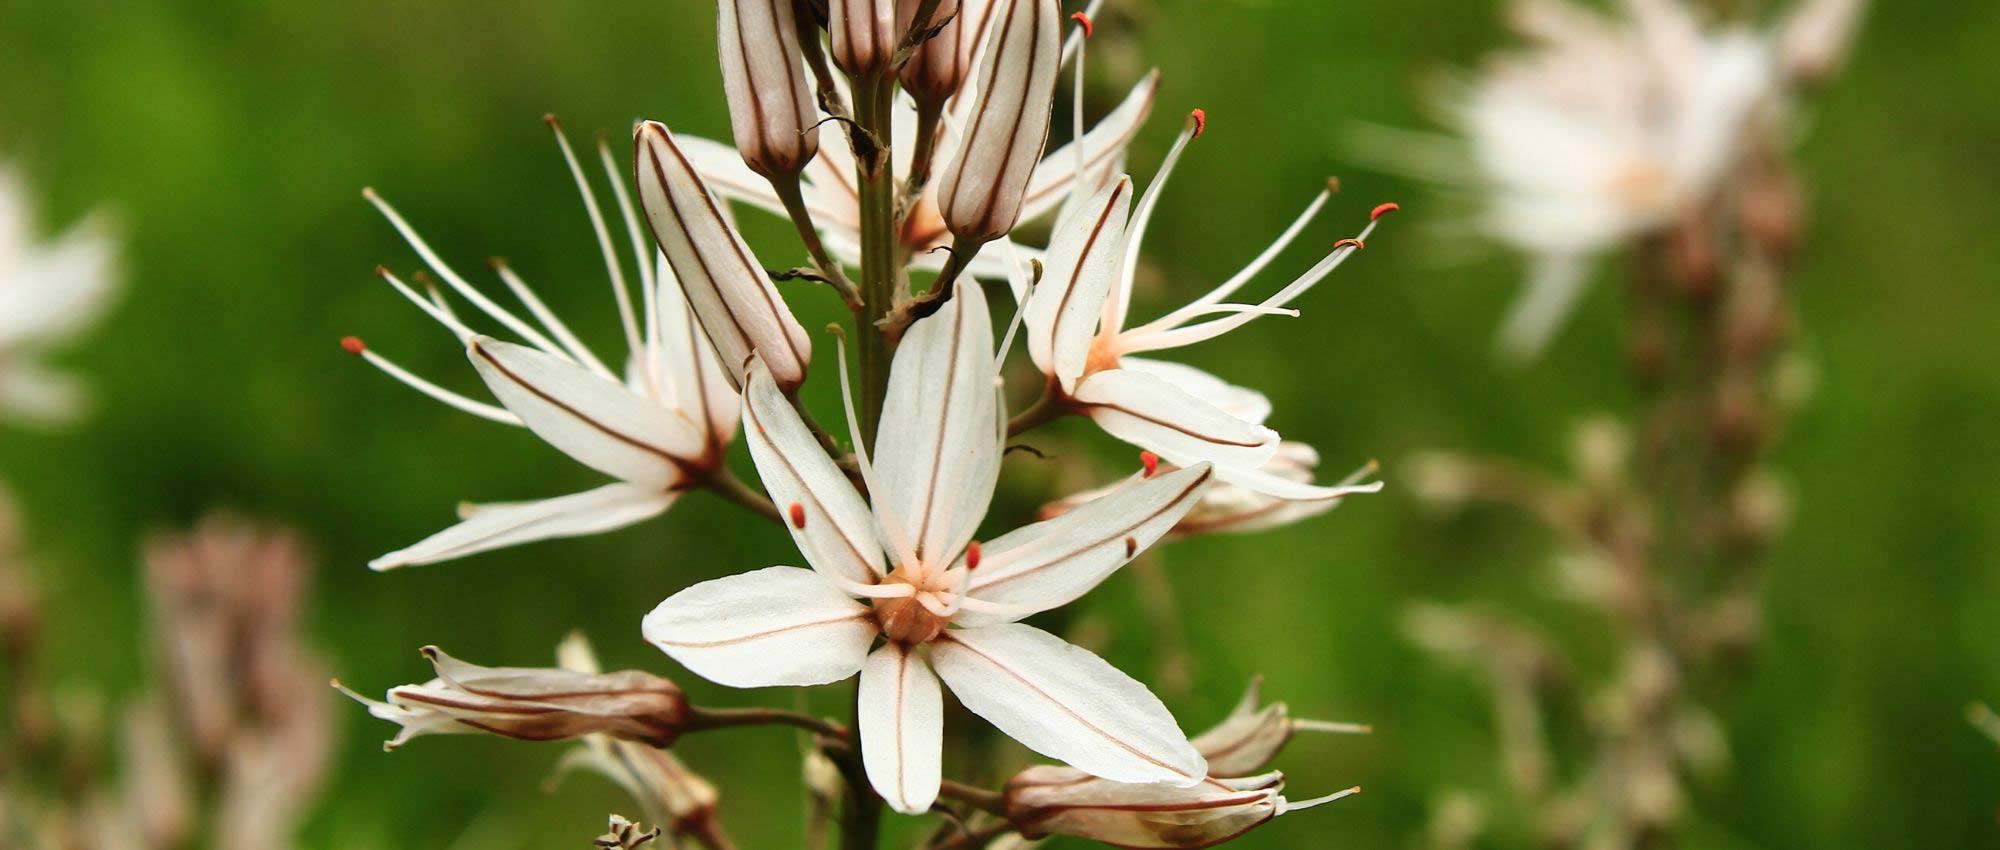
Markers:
659,427
1254,733
1230,509
49,292
945,605
1603,128
1076,322
829,180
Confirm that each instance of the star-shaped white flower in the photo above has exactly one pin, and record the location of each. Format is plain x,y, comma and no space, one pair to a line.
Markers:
49,292
906,570
659,426
1078,335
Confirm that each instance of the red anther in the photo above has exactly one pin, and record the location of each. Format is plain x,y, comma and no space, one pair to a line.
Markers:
972,555
352,345
1383,210
1200,119
1356,244
1083,20
1333,185
1151,462
798,514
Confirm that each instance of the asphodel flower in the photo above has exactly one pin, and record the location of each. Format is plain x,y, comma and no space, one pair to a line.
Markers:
733,296
1604,128
659,426
1078,335
49,292
937,67
531,704
983,188
903,567
1230,509
771,106
829,180
1050,800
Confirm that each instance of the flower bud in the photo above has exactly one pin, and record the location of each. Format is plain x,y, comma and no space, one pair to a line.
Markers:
532,704
1252,735
1051,800
981,191
763,76
937,67
732,296
863,33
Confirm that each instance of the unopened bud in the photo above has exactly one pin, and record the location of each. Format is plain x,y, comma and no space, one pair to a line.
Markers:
771,108
1051,800
532,704
733,298
863,33
1253,734
981,191
937,67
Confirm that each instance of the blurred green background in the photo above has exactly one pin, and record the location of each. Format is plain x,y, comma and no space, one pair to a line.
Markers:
232,137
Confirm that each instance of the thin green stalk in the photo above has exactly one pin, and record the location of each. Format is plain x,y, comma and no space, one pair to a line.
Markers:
880,276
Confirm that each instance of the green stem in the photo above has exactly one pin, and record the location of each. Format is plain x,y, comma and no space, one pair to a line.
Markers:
725,484
793,197
880,276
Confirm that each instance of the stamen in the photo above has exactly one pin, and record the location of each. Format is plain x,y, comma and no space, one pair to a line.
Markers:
642,246
891,590
1082,20
1180,336
933,604
442,314
1332,727
1112,320
1075,41
797,512
457,283
1288,806
1366,472
1383,210
542,313
904,552
1080,182
603,239
1181,316
408,378
1151,462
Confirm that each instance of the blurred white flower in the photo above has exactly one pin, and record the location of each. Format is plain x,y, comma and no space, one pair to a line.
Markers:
946,606
1604,127
1230,509
660,425
49,292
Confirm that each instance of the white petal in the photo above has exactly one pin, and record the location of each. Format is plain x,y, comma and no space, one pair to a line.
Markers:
838,537
1052,563
1281,486
1083,262
1104,148
1241,402
902,728
1065,703
769,627
701,388
1552,293
732,295
595,420
1150,413
606,508
937,451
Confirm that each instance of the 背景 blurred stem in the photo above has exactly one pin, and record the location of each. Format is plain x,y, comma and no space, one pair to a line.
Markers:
874,101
